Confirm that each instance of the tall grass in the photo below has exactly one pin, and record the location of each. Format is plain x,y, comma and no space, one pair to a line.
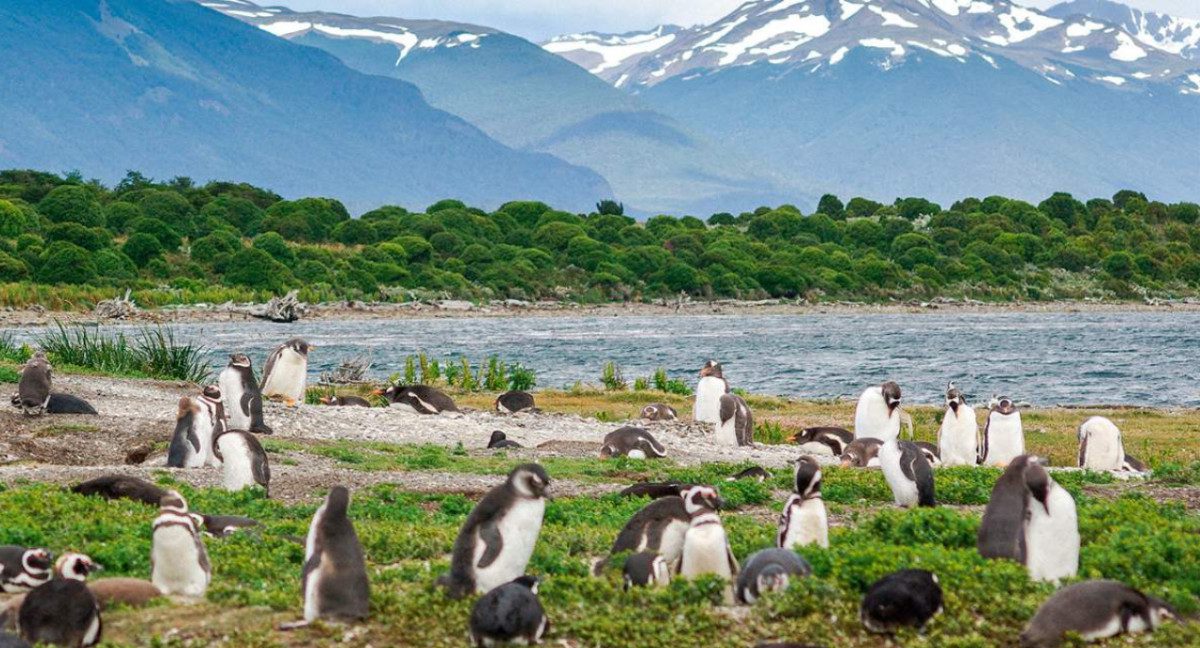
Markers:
150,353
492,374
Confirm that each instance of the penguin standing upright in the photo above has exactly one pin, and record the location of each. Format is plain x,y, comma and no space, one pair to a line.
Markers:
244,461
804,520
646,569
1100,446
241,396
1003,435
495,543
631,442
63,611
735,426
709,390
958,438
33,391
1032,520
210,398
509,614
705,545
23,569
178,559
659,526
1095,609
286,372
419,399
907,471
192,443
334,580
769,570
909,597
877,415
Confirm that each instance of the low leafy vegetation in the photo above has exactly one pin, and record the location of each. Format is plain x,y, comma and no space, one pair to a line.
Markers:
493,374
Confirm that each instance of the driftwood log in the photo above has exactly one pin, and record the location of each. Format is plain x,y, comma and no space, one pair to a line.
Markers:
282,309
117,308
350,372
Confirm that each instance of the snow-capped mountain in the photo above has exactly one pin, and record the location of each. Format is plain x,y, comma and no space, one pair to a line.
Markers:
611,56
1168,33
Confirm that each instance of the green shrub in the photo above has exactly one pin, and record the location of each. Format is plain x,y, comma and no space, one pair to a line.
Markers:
152,353
141,248
253,268
611,378
66,263
72,204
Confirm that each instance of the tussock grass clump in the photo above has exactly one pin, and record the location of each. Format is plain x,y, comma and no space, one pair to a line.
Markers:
150,353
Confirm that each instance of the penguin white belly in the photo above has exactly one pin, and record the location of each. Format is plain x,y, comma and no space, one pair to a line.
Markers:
872,420
670,545
177,562
1111,628
637,453
726,433
238,472
287,377
312,588
519,529
904,490
705,552
1052,539
958,437
1104,448
708,400
230,382
807,524
205,424
1006,439
92,635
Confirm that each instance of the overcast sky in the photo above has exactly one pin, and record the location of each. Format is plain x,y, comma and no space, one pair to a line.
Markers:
540,19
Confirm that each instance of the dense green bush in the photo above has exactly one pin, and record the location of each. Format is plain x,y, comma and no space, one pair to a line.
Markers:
66,263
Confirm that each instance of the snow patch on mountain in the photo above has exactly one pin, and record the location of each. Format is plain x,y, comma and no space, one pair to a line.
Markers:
613,50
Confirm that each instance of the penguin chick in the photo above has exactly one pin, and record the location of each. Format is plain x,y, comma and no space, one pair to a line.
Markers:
1095,610
68,404
659,527
514,401
510,613
646,569
769,570
33,390
244,461
659,412
835,438
345,401
909,597
121,486
23,569
178,560
419,399
63,611
632,442
862,453
501,440
334,581
1031,519
192,441
756,473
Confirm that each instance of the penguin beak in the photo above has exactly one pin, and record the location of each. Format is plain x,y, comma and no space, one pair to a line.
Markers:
845,463
378,392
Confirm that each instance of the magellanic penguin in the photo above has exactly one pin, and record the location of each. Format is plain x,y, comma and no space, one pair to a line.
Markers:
958,438
769,570
1094,610
861,453
192,444
757,473
907,471
659,412
242,396
1032,520
632,442
33,391
909,597
223,526
68,404
210,399
345,401
244,461
654,490
709,390
509,614
705,544
334,580
646,569
495,543
1100,446
121,486
835,438
736,424
1003,435
286,372
63,611
658,527
23,569
804,520
419,399
500,440
878,413
178,561
511,402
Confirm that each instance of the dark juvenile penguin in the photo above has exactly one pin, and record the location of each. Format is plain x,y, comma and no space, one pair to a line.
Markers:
646,569
658,527
930,450
243,461
63,611
877,415
861,453
192,443
121,486
756,473
709,390
1032,520
68,404
242,396
420,399
23,569
223,526
907,598
653,490
835,438
659,412
33,391
1095,610
735,424
769,570
509,613
345,401
286,371
514,401
334,580
495,543
178,560
632,442
804,520
501,440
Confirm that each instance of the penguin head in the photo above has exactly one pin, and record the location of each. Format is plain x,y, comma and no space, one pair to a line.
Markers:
1160,611
530,480
698,499
337,501
173,502
187,407
773,578
891,395
239,360
954,397
37,560
75,566
527,581
497,437
1004,405
711,368
1037,480
299,346
212,392
808,477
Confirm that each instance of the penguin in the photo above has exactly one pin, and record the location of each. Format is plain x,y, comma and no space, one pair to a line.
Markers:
757,473
1003,435
345,401
958,437
653,490
420,399
501,440
1100,446
511,402
877,415
1133,464
658,527
908,473
509,614
1095,609
210,399
242,396
659,412
495,543
33,391
861,453
709,390
63,611
631,442
334,579
804,520
130,592
23,569
835,438
244,461
178,561
223,526
286,371
769,570
192,443
68,404
646,569
121,486
705,545
930,451
1032,520
907,598
736,424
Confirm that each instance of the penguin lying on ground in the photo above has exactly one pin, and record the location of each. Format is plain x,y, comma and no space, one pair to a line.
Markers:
130,592
1095,609
877,415
769,570
244,461
514,401
804,520
930,451
757,473
709,390
345,401
861,453
1032,520
1100,446
63,611
705,544
658,527
835,438
631,442
420,399
909,597
33,391
23,569
192,443
654,490
958,437
735,426
659,412
1003,435
178,560
242,396
286,371
223,526
501,440
334,579
646,569
68,404
121,486
510,613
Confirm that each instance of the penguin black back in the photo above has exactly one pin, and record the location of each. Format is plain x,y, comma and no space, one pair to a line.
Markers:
509,613
909,597
631,441
422,399
121,486
835,438
645,568
501,440
335,566
514,401
654,490
68,404
1002,529
62,611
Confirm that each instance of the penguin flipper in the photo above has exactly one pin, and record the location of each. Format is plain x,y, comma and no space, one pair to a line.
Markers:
493,543
244,403
1083,450
733,563
312,564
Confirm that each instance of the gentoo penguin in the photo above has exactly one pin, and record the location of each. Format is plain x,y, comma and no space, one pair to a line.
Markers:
192,444
931,452
23,569
33,391
705,544
631,442
121,486
861,453
509,614
878,413
835,438
420,399
659,412
646,569
908,473
210,399
68,404
334,580
958,438
345,401
909,597
501,440
736,424
1100,446
63,611
1032,520
178,561
223,526
804,520
495,543
242,396
769,570
757,473
653,490
658,527
244,461
709,390
1095,609
1003,435
511,402
286,372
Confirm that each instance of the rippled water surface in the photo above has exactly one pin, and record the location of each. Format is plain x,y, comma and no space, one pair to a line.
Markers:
1148,358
